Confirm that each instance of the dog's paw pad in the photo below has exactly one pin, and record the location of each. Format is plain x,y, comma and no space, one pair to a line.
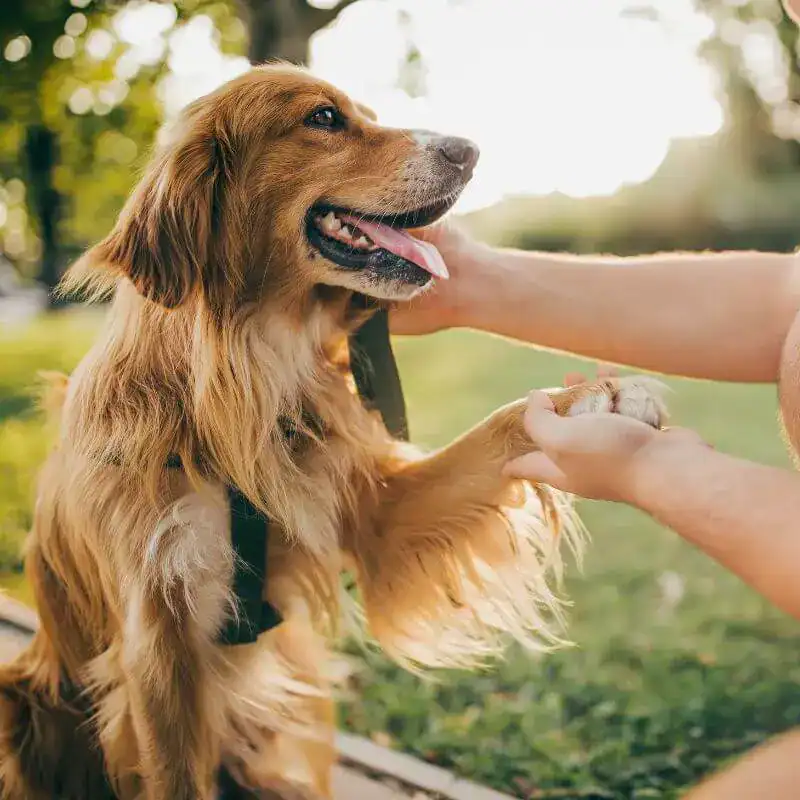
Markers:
641,398
638,397
594,402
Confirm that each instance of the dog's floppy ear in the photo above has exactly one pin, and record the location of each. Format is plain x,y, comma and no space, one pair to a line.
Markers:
163,238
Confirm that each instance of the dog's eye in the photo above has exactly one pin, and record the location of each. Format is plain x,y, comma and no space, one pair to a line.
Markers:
326,117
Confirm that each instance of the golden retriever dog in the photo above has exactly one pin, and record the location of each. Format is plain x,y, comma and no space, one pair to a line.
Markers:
276,202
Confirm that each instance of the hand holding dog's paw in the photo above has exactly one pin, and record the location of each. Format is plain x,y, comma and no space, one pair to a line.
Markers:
591,436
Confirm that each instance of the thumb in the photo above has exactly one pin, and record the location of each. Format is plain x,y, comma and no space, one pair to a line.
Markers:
431,233
542,423
536,467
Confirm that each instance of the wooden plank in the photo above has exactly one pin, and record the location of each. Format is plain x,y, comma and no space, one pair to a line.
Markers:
17,623
350,785
18,615
12,641
411,771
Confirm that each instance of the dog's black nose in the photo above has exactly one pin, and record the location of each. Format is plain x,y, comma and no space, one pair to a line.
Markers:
461,152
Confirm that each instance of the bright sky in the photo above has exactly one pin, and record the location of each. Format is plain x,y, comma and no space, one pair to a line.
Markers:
560,95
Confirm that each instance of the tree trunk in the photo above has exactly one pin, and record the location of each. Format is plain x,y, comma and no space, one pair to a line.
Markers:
280,29
276,30
41,152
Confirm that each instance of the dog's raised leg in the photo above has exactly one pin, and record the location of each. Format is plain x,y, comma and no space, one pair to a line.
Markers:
458,552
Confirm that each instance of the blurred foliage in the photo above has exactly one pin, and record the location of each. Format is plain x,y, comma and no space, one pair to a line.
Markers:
737,190
67,71
755,52
55,343
696,201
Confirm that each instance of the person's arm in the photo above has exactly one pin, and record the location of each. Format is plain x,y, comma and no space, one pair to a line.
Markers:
744,515
721,317
717,316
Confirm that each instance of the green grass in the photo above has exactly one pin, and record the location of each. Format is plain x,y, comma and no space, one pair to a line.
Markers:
53,343
661,687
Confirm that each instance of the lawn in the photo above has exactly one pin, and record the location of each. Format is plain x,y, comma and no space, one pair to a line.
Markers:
677,665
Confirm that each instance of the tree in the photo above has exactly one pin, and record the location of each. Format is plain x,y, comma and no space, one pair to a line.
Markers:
754,50
57,108
282,28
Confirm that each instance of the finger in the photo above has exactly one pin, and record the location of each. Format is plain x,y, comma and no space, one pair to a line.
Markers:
430,231
541,400
536,467
541,421
436,232
607,371
574,379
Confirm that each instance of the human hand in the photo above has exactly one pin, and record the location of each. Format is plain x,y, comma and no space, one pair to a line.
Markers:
440,307
593,455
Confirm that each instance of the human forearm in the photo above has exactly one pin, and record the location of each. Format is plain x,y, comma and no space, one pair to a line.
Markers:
717,316
744,515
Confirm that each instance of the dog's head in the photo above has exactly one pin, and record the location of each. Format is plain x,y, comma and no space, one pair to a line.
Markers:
277,183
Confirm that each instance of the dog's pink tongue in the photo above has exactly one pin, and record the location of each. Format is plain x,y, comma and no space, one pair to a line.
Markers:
402,244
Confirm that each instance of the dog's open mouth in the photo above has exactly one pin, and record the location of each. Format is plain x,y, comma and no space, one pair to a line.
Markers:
379,244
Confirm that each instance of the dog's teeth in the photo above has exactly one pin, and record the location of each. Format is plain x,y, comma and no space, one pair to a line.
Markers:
330,223
345,231
363,242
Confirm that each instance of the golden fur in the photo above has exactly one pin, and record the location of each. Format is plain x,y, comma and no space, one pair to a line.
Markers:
227,328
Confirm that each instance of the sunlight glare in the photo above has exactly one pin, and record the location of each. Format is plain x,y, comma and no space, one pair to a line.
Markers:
570,96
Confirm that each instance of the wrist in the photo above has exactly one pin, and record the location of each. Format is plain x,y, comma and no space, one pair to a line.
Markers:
666,455
481,287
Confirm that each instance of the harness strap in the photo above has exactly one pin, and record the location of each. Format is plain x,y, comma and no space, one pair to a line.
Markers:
249,537
375,373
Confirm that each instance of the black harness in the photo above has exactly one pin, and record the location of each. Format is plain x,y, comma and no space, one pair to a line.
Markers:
378,383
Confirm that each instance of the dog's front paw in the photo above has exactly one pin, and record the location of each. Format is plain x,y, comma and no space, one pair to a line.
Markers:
636,396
